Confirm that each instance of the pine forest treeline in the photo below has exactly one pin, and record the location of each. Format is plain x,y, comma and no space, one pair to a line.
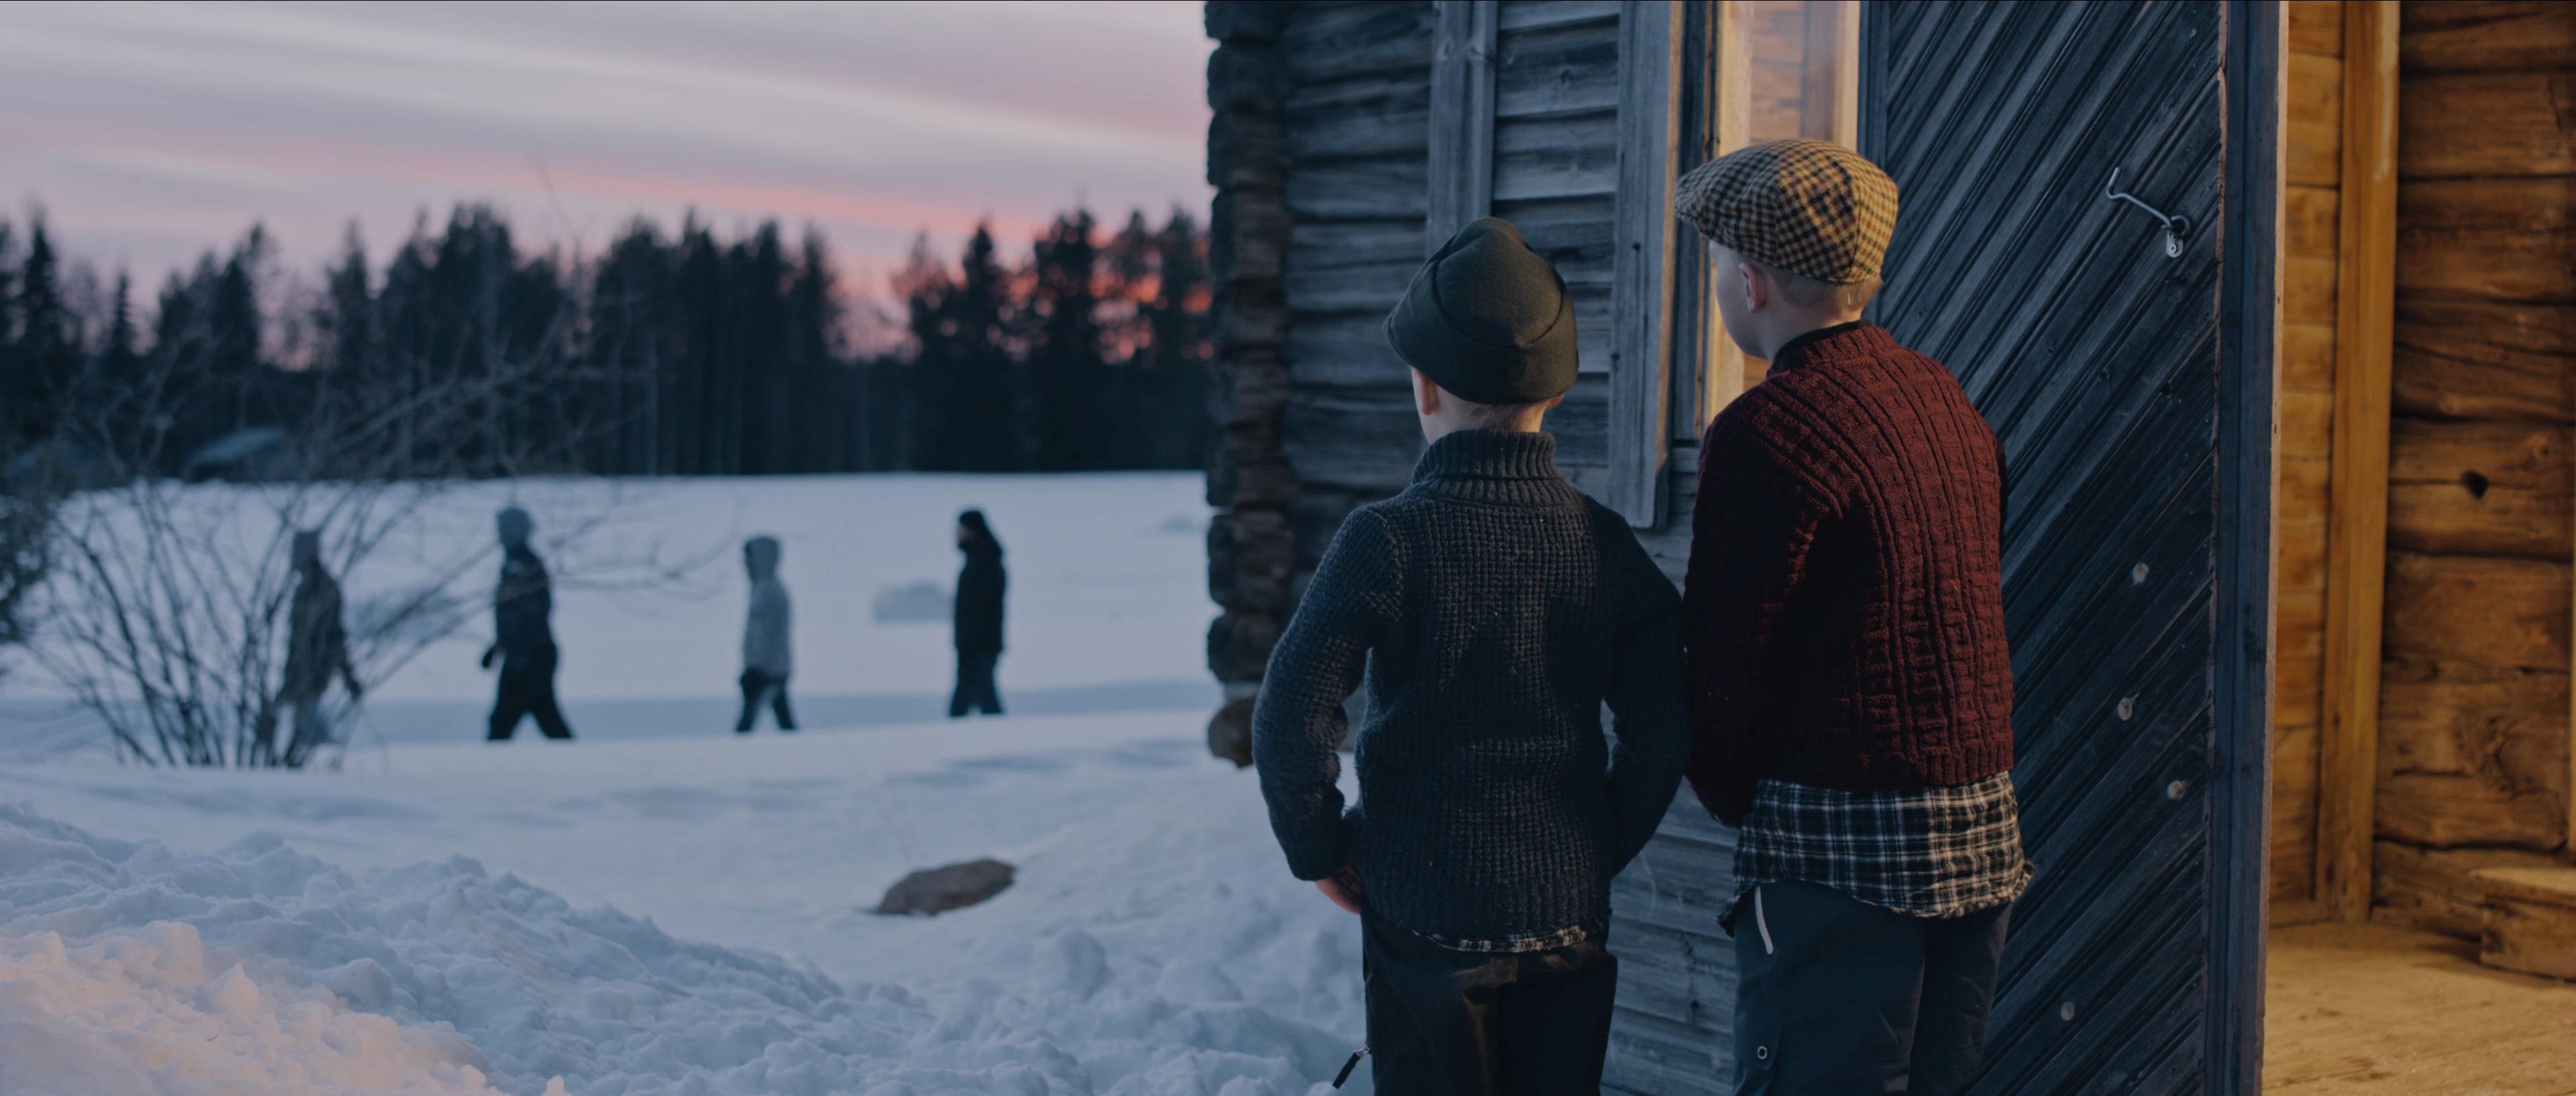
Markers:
667,353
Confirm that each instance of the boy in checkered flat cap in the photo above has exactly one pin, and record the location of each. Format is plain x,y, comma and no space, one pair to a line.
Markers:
1495,611
1851,691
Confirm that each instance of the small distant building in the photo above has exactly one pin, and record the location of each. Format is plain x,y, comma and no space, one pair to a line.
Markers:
2290,513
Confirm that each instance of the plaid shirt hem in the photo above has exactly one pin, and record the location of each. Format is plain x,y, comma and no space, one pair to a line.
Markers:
1930,852
1525,942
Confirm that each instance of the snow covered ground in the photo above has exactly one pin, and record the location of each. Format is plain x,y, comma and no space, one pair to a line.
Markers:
683,911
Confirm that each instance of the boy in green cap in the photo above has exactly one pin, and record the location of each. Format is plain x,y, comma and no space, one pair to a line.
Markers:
1851,690
1494,610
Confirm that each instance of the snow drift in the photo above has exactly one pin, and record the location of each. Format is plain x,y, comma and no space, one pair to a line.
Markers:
131,968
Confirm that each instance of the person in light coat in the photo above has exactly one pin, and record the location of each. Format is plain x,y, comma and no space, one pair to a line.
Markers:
766,651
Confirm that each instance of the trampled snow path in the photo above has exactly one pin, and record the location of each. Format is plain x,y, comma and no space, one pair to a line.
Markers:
1153,945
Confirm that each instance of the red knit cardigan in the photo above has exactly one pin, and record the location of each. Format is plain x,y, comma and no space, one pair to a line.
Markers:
1844,604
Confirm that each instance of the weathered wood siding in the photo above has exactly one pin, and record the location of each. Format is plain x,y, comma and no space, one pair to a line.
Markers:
2309,216
2097,359
2474,729
1358,121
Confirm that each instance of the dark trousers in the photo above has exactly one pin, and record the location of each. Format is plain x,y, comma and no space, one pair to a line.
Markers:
975,689
1443,1022
528,688
1836,996
759,689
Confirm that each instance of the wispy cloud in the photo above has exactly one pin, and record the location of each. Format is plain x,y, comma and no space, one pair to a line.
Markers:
151,131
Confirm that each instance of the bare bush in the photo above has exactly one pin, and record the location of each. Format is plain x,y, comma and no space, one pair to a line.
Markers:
166,614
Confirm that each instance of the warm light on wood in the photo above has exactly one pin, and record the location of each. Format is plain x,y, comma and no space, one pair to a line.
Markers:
2357,515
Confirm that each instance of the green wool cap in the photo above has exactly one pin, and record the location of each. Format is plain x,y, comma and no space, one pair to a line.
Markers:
1488,319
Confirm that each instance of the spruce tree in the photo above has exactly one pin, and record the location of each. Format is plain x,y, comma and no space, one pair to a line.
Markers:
1072,415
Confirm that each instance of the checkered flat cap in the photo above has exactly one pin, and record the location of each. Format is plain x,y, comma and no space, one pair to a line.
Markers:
1806,207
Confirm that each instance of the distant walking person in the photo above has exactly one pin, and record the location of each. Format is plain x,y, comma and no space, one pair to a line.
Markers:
979,617
317,649
766,660
522,639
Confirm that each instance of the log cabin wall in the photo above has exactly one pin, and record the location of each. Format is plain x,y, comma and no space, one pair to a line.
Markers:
1251,556
2473,740
2310,210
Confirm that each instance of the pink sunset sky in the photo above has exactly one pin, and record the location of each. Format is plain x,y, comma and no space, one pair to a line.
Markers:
151,132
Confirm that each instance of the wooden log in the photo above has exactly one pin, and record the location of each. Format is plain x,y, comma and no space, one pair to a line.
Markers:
1359,440
2475,359
2488,239
2316,26
2308,217
2314,95
2487,36
1377,189
1555,157
2433,889
1344,245
2490,610
2530,922
2307,430
1372,289
2308,289
2301,568
2487,124
2356,538
2472,755
2298,619
2307,357
1344,351
1325,42
1536,14
2485,488
1557,70
2294,810
1361,126
1573,234
2499,204
2313,154
2305,489
2296,689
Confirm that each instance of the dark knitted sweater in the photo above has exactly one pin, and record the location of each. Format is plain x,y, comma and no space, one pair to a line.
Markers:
1844,605
1496,610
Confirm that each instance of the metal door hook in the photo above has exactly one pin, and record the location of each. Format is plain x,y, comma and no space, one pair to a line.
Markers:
2175,227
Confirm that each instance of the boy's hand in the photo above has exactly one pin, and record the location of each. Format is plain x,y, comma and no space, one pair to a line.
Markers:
1343,887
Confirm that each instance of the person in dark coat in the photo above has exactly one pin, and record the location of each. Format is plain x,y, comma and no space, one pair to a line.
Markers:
979,617
317,649
1490,613
767,658
522,639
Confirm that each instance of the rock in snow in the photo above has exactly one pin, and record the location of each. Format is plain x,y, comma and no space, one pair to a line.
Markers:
948,887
